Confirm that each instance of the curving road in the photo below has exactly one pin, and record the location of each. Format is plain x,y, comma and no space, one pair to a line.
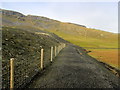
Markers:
73,70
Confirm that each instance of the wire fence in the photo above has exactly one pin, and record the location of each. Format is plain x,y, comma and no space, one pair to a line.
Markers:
17,73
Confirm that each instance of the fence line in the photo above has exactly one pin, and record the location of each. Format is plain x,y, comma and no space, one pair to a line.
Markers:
20,74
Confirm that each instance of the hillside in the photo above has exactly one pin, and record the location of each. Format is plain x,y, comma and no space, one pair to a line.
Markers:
25,47
74,33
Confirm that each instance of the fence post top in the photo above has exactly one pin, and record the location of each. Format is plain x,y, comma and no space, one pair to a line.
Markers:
12,58
42,49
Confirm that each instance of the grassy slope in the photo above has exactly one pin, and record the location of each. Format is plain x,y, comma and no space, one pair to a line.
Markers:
89,41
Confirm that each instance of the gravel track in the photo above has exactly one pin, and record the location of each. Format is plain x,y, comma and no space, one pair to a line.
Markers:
73,70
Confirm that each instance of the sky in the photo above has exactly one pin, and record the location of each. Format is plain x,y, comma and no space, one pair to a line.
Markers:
97,15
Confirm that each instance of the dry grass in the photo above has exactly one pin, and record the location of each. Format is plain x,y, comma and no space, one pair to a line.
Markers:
109,56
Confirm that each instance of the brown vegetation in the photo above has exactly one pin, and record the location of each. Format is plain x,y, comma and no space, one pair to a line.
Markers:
109,56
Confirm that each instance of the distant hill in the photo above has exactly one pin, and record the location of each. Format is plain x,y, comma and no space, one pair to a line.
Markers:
74,33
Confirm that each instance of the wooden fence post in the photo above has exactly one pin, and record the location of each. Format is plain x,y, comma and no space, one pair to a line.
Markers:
55,50
41,61
64,45
58,49
51,54
11,73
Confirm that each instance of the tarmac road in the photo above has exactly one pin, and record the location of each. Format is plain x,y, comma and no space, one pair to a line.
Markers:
73,70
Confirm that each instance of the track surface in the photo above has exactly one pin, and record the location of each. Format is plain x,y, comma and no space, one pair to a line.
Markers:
73,70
